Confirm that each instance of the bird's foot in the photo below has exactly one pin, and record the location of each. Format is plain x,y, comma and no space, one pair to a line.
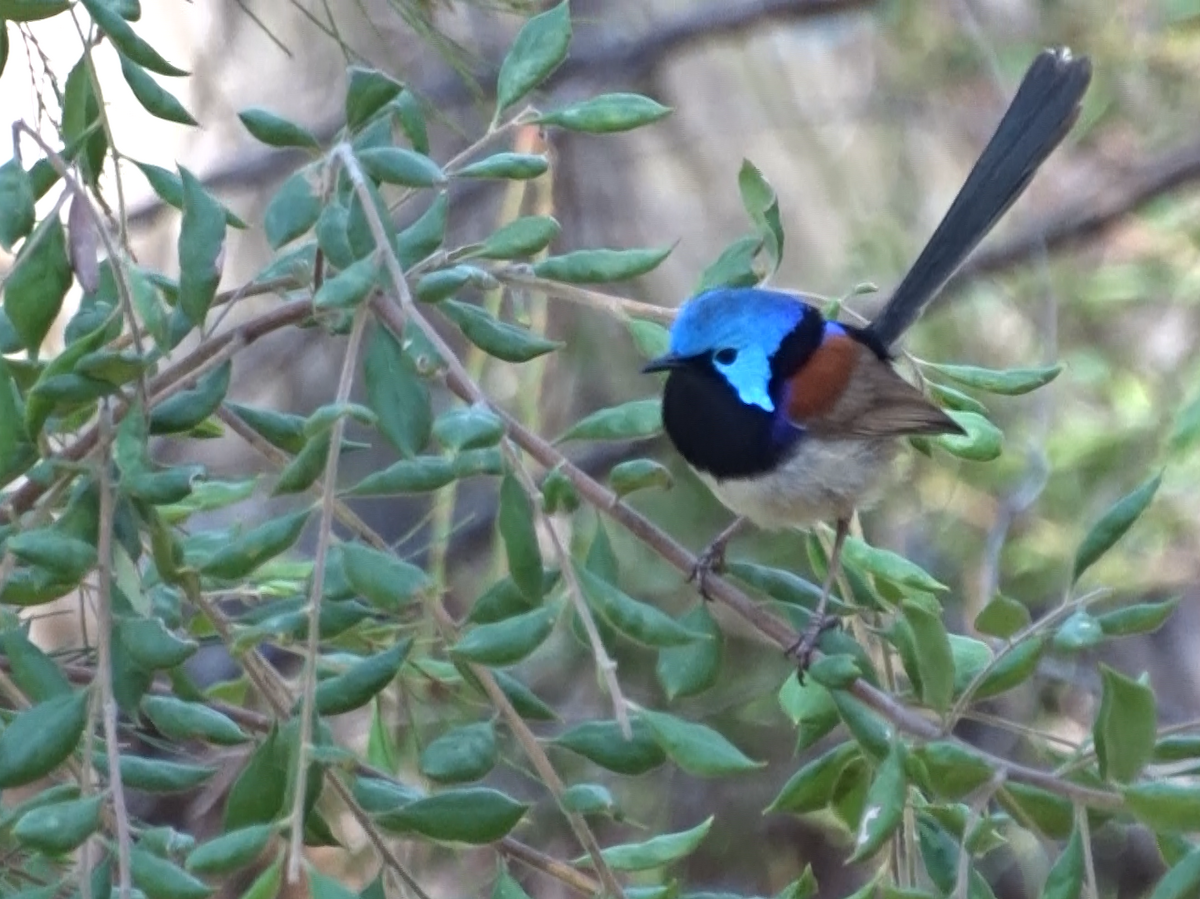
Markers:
802,650
710,561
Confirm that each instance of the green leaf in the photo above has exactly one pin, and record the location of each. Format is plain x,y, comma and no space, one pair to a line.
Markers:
871,732
446,282
692,668
525,236
1113,525
395,165
954,399
420,475
425,235
734,267
1002,617
34,672
230,851
473,815
368,91
1125,726
697,749
411,116
632,420
1011,382
651,338
1182,881
515,521
386,582
497,338
59,827
31,11
244,553
812,787
1016,667
258,794
65,557
884,807
292,210
600,266
889,566
41,738
126,40
281,430
461,754
602,743
935,660
539,49
762,206
155,99
82,131
468,427
348,288
159,775
639,474
16,204
655,852
511,166
606,113
169,188
162,879
1079,632
396,393
954,771
508,641
151,645
201,246
188,408
639,621
180,720
1065,880
590,799
1143,618
37,284
275,131
358,684
1163,806
982,442
1047,811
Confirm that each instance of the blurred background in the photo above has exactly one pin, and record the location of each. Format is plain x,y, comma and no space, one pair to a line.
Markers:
865,117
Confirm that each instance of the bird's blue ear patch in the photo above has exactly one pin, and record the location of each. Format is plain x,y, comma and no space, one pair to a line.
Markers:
749,374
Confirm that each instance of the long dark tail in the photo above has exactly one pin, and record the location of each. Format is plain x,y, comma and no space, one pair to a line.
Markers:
1039,117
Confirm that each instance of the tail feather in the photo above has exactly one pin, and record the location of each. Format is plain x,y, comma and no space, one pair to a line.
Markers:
1042,112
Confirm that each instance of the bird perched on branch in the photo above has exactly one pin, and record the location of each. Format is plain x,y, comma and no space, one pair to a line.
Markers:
791,419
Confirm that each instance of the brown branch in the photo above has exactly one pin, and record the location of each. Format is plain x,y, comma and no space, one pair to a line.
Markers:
1089,218
169,380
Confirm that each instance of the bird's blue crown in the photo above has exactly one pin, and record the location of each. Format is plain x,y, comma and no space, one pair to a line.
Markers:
742,328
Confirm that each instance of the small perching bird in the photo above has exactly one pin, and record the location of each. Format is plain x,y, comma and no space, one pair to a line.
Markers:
791,419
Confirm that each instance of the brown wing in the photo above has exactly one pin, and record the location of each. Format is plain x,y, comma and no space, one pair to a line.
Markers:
845,390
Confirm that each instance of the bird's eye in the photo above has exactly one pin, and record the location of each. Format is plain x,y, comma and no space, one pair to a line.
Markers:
726,356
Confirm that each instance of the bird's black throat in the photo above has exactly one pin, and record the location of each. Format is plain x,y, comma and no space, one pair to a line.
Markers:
715,431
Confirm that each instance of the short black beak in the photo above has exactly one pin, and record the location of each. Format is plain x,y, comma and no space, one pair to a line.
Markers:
663,363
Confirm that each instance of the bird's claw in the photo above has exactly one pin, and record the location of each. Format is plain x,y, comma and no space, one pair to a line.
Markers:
802,650
710,561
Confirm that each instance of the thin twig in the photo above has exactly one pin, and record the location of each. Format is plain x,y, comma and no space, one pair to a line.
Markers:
104,638
324,535
620,307
395,318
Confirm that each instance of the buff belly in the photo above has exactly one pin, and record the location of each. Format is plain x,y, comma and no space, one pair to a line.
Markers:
823,481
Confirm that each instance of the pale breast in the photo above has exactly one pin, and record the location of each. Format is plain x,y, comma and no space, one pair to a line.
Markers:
823,481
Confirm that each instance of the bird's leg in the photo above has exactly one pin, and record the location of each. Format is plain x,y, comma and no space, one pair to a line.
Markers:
802,649
712,557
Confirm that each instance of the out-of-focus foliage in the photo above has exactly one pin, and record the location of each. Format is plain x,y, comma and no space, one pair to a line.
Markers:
558,710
